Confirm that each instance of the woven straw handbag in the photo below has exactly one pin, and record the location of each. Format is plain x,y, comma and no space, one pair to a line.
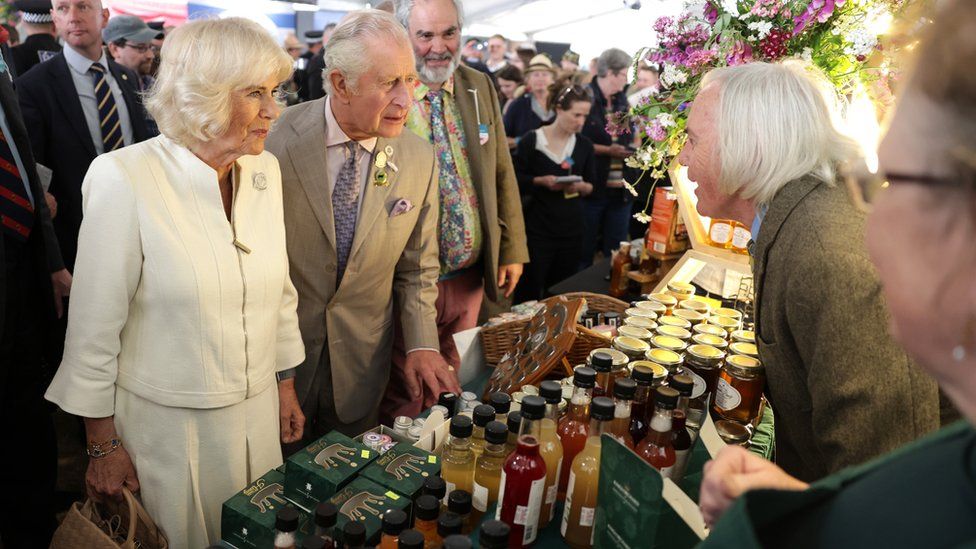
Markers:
111,525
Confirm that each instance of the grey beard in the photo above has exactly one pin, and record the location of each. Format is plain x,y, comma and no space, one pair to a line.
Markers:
437,76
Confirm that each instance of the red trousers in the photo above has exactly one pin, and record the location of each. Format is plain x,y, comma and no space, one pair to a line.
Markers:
458,304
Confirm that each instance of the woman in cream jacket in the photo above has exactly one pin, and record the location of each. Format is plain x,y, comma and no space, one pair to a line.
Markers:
182,310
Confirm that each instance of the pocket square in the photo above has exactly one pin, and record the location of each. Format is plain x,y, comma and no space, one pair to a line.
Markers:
401,207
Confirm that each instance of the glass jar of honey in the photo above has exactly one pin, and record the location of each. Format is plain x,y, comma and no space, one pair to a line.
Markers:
667,300
740,238
671,320
726,323
693,317
637,311
743,348
720,233
632,347
674,331
670,360
710,339
738,393
698,305
656,307
745,336
640,322
703,363
635,332
669,343
710,329
681,290
660,372
727,312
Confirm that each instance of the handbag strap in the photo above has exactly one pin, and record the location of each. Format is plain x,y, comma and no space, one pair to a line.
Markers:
138,513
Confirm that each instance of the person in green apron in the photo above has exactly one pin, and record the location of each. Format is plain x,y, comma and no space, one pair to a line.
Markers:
920,230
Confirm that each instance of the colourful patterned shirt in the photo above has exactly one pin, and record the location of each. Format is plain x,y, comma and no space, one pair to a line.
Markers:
435,117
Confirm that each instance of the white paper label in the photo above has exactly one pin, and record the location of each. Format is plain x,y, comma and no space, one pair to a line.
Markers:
528,515
726,396
501,497
720,233
667,472
741,237
700,385
553,490
479,500
568,508
450,488
586,516
680,463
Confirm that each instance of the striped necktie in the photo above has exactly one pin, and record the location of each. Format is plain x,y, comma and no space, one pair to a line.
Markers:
108,113
345,206
16,210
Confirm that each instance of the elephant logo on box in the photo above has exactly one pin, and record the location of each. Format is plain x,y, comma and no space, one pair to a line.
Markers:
265,497
357,506
330,456
400,466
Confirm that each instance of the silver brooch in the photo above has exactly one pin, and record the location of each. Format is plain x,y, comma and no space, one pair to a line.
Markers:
260,181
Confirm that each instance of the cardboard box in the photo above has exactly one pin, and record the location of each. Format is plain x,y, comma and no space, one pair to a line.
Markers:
365,501
316,473
666,233
247,520
403,468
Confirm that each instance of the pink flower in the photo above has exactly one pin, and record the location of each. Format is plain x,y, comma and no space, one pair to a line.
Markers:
711,13
821,10
655,131
740,55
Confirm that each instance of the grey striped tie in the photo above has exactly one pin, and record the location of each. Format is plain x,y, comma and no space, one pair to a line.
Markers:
345,207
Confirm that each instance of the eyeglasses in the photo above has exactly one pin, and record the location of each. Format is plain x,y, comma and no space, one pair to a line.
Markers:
865,187
575,89
141,48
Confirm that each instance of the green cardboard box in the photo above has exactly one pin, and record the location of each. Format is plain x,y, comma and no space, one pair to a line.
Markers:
403,469
316,473
247,520
366,501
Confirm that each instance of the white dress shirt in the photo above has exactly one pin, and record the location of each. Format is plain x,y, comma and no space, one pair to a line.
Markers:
336,152
78,66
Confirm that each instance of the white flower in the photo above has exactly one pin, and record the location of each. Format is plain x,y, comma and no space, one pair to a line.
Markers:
731,6
665,120
807,55
762,28
642,217
672,75
695,8
860,42
630,187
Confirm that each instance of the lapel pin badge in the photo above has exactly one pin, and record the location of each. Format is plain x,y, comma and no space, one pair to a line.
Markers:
260,181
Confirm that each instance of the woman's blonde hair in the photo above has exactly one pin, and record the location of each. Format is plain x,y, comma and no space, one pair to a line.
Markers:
777,122
202,63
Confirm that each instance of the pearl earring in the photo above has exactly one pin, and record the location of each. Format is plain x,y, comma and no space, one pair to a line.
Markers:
959,353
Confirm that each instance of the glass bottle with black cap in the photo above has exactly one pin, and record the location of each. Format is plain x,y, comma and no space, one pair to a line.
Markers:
459,503
657,448
394,522
354,535
425,512
410,539
448,524
449,401
514,422
286,524
457,461
681,437
325,520
502,403
647,379
550,447
493,535
584,479
522,486
603,364
488,469
481,415
575,425
623,398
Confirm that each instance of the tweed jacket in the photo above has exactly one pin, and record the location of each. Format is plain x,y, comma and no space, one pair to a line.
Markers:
500,207
842,390
392,256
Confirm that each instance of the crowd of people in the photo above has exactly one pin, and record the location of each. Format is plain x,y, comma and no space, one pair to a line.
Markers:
245,277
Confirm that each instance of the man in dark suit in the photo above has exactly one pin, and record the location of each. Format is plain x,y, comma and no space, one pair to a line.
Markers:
316,65
60,100
41,42
29,254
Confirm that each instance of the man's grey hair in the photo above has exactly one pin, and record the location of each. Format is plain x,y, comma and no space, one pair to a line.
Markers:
346,50
612,60
777,122
405,7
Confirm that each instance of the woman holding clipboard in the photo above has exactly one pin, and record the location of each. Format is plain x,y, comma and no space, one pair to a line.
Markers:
555,165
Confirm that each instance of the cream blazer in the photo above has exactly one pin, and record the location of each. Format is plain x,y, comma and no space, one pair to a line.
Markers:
170,300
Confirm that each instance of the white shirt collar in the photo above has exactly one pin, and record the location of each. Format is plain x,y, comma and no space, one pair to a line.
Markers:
79,63
334,134
542,145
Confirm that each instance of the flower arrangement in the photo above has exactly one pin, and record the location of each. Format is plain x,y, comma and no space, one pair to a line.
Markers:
841,37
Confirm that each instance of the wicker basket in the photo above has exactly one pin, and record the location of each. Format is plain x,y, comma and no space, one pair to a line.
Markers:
497,340
586,341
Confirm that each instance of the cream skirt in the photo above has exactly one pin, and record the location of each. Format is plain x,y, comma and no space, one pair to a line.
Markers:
189,461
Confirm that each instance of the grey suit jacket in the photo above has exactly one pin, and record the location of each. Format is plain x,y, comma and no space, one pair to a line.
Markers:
391,257
842,390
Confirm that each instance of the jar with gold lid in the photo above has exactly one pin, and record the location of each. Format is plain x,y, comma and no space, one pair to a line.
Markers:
733,433
635,332
693,317
697,305
670,320
681,290
670,360
743,348
632,347
674,331
640,322
726,323
710,329
637,311
669,343
738,393
745,336
667,300
727,312
656,307
703,363
710,339
660,373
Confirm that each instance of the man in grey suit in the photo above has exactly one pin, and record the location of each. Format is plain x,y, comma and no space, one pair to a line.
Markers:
842,390
360,205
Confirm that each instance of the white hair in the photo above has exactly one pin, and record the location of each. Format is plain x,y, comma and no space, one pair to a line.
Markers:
776,123
346,50
404,7
201,64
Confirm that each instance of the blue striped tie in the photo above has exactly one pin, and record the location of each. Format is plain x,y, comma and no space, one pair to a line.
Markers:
108,112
